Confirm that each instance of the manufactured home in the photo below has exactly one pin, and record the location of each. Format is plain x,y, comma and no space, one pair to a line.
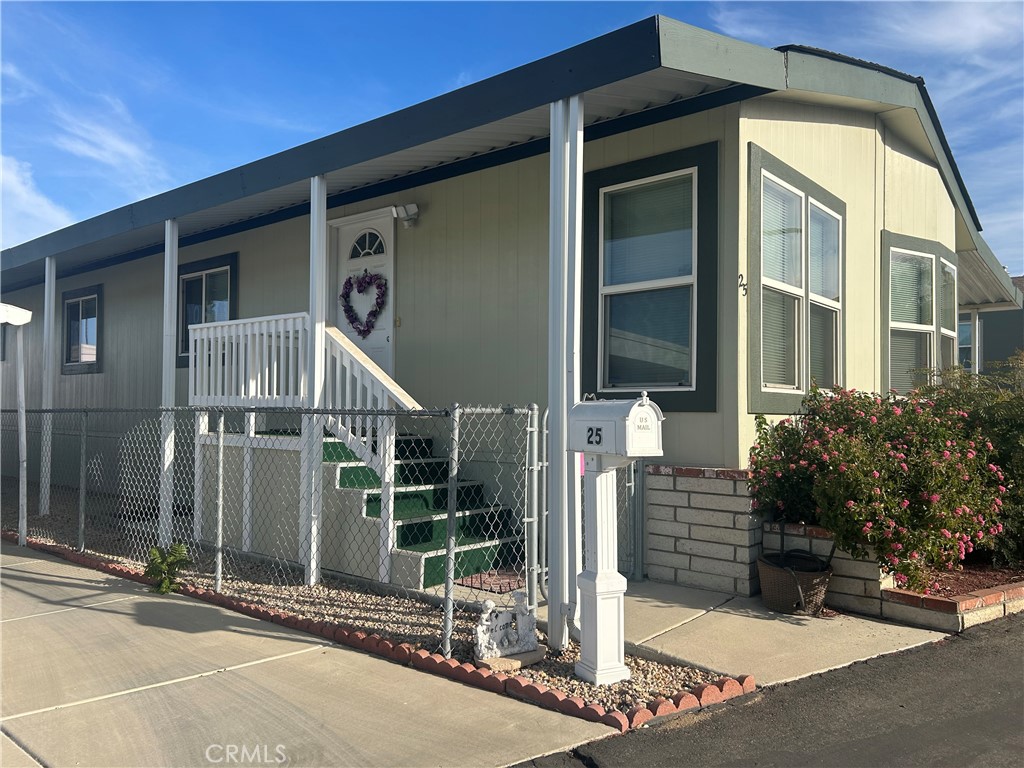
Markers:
741,222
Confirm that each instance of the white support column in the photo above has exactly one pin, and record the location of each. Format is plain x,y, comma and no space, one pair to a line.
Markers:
165,525
574,271
49,377
201,430
22,443
563,344
311,493
317,290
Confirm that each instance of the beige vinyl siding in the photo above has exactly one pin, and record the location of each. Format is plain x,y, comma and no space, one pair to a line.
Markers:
130,364
915,199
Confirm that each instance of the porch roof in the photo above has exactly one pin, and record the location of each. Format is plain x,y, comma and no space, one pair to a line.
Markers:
637,75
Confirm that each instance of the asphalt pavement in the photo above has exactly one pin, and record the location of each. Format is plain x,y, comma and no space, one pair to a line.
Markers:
957,702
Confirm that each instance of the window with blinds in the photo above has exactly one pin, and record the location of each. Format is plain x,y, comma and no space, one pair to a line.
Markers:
648,273
922,317
801,303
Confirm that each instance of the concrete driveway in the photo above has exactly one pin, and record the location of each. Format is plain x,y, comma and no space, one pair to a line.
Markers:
96,671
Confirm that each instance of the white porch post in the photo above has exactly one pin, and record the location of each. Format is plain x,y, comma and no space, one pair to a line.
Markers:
563,355
311,459
49,374
168,373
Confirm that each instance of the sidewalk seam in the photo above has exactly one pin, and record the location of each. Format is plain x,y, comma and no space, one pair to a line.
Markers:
161,684
72,608
685,621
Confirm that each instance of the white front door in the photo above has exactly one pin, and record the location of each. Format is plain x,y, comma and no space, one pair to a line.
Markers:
365,249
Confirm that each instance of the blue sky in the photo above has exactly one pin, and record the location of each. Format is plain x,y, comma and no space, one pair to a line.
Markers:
107,103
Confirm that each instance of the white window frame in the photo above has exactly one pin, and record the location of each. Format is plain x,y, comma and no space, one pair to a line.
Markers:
647,285
933,350
803,294
974,320
184,340
79,300
945,333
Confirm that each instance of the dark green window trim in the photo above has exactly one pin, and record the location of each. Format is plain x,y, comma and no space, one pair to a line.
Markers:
229,260
703,398
895,240
759,401
73,369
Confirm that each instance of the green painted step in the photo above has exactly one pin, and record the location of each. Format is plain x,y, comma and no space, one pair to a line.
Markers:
472,559
407,472
407,447
427,499
425,535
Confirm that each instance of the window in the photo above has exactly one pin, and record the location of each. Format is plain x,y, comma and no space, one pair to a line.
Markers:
920,290
801,302
648,273
649,303
82,326
207,293
969,341
793,283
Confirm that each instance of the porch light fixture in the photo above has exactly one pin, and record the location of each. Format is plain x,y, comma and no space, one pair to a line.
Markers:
407,213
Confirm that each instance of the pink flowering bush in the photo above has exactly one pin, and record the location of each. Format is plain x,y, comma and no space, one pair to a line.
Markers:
910,483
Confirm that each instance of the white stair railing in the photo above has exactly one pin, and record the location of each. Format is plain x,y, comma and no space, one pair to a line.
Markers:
254,362
355,382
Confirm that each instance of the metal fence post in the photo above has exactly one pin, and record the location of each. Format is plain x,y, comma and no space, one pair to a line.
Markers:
532,507
449,550
219,541
81,482
22,444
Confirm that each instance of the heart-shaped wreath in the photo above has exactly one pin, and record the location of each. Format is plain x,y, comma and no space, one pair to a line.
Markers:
361,283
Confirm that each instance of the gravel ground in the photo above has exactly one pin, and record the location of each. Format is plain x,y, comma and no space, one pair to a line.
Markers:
399,618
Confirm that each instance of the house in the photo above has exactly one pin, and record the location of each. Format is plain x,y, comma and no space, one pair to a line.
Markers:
741,221
990,335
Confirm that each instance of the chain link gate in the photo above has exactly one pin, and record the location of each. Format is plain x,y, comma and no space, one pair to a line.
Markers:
396,522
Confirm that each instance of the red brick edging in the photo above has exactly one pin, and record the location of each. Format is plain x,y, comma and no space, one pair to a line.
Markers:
707,472
961,604
522,688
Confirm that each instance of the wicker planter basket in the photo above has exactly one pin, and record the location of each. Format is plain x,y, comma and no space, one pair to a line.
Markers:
793,581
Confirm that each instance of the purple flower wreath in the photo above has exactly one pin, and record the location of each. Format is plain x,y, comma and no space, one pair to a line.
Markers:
361,283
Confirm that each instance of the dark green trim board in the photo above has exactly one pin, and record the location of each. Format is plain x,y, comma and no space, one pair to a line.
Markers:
705,159
229,260
895,240
759,160
73,369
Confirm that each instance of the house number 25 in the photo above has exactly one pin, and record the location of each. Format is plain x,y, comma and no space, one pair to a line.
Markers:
594,435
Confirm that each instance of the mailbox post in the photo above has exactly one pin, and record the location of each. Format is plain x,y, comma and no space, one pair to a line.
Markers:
610,434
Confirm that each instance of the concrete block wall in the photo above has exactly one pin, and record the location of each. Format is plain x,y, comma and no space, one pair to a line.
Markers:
699,529
856,585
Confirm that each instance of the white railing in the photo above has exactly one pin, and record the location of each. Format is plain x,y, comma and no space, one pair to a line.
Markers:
259,362
355,382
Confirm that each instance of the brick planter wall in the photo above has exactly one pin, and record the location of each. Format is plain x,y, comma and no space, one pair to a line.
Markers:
856,585
699,529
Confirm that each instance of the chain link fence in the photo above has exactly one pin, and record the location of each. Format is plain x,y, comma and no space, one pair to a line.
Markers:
396,522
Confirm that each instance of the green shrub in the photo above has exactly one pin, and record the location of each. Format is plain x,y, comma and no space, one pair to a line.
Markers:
994,402
164,565
908,480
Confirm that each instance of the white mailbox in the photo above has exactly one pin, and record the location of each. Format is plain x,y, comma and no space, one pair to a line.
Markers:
610,434
630,428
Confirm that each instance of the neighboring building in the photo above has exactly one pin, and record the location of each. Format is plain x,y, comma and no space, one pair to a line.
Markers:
989,336
752,220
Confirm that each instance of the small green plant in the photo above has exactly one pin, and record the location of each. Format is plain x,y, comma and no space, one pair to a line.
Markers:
164,565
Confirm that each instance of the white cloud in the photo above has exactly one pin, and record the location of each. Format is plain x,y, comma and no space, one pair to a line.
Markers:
106,134
27,212
949,28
